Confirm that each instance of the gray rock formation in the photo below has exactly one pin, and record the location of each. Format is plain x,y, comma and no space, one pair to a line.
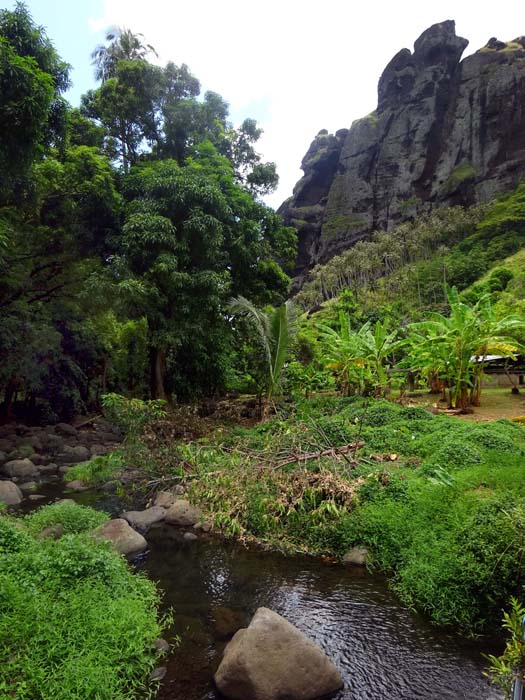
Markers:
124,538
20,468
143,519
183,514
272,659
445,131
10,494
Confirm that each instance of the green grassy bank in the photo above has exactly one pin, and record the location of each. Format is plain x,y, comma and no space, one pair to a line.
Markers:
439,503
75,622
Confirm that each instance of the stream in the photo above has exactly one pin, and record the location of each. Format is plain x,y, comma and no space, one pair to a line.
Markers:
383,651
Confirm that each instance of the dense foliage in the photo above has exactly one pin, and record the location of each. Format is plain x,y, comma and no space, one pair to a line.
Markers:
75,622
439,503
125,227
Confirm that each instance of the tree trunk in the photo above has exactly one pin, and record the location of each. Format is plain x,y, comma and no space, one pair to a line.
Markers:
9,397
157,360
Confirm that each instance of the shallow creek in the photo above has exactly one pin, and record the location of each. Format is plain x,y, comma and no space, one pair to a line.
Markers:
383,651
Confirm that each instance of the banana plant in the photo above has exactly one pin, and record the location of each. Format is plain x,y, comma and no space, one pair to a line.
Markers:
454,347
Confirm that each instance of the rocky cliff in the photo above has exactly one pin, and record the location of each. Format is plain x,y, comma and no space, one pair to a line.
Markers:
445,131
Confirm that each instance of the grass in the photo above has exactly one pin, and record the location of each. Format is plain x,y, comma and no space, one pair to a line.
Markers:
98,470
439,503
75,621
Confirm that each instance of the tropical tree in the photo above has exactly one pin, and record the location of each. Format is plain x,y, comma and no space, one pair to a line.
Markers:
454,347
32,117
275,331
360,358
121,45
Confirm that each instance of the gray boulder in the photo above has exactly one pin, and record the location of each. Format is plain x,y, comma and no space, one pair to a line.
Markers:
165,499
28,486
6,445
182,513
272,659
357,556
20,468
77,485
143,519
75,454
66,429
10,494
122,536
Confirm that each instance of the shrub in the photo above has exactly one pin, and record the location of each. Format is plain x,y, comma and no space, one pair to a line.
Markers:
74,518
98,470
75,621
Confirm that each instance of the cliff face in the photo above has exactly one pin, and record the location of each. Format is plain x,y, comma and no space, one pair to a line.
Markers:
445,131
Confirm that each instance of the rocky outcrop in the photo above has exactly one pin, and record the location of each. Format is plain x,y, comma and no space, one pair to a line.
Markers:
445,131
272,659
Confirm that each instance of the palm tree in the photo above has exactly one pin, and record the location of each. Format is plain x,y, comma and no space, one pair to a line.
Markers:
276,329
122,45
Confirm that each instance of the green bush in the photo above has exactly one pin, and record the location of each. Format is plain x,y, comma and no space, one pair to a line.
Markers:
74,518
98,470
75,622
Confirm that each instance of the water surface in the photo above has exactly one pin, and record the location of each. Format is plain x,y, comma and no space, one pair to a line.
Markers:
382,650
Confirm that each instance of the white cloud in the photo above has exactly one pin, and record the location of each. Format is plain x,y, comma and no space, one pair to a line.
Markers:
311,65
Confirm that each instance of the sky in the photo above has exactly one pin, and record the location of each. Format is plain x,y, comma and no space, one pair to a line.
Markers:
296,66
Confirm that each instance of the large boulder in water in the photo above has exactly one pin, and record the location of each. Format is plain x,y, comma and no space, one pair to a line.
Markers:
143,519
122,536
273,660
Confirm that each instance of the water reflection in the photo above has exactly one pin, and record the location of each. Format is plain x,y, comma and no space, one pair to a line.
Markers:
381,649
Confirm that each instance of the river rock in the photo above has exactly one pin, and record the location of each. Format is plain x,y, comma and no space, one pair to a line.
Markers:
6,445
190,536
48,468
52,441
20,468
77,485
98,450
52,532
10,494
75,454
272,659
162,646
143,519
28,486
165,499
122,536
182,513
3,457
357,556
66,429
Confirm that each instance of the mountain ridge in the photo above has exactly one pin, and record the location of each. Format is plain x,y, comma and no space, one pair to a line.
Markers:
446,131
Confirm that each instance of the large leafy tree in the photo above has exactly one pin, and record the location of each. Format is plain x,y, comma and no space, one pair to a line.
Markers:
32,80
152,111
192,237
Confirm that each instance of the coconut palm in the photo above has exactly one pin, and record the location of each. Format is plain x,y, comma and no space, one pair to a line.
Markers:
122,45
276,329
